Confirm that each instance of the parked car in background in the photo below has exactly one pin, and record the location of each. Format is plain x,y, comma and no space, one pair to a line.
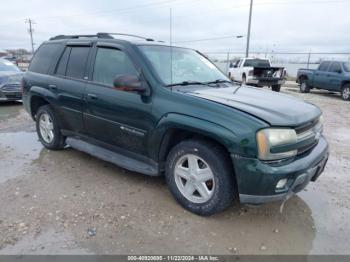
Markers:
330,75
10,81
257,72
11,58
214,140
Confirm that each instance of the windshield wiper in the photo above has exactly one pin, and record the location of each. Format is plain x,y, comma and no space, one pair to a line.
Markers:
218,81
186,83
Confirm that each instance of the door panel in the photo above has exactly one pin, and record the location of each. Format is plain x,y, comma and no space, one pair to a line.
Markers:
119,118
321,76
69,86
335,76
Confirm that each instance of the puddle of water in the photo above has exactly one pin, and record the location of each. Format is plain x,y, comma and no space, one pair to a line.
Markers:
49,242
17,151
9,110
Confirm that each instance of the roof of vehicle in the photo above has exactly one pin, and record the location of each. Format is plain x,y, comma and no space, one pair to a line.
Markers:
109,37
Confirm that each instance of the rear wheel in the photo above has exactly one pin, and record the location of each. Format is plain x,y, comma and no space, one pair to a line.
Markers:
200,177
304,87
345,92
48,130
276,88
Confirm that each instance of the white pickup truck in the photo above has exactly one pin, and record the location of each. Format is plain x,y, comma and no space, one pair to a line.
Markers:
257,72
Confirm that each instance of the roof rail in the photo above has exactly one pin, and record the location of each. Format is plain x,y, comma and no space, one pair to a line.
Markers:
98,35
136,36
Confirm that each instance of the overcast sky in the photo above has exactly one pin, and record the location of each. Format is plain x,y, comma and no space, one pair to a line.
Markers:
279,25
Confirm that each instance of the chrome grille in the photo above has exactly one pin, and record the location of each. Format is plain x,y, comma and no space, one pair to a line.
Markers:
308,135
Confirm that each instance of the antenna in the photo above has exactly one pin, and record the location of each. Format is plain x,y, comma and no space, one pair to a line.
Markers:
171,45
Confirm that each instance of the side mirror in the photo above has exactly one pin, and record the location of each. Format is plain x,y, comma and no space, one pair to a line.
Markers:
340,71
129,83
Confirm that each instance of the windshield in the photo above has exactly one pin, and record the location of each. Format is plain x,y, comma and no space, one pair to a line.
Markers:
7,66
347,66
257,63
187,65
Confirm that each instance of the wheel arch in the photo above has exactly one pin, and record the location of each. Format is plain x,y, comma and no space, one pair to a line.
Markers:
36,102
176,128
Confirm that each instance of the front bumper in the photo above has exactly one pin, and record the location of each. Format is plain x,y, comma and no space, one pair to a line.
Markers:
257,180
10,95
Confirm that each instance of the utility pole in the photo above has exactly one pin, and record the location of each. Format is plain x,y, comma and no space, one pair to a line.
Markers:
249,25
30,30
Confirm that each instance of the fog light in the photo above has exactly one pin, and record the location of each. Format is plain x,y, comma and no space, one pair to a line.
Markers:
281,184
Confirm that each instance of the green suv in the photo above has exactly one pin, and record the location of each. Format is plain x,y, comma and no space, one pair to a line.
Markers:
158,109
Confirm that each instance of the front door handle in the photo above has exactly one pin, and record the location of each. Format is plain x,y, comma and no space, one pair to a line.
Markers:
53,87
92,96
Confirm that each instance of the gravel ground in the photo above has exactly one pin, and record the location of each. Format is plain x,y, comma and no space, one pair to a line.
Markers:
67,202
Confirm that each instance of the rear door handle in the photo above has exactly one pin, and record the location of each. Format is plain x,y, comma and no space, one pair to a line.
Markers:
53,87
92,96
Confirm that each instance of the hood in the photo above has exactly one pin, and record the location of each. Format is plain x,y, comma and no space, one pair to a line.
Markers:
274,108
10,77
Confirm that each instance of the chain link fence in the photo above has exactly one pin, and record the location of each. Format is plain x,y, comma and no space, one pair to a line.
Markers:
291,61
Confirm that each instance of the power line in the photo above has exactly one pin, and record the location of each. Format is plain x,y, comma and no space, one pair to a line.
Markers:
209,39
30,30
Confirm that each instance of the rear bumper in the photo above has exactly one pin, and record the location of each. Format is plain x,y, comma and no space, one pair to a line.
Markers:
266,81
257,180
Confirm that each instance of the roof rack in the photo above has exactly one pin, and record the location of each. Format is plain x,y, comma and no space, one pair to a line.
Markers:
98,35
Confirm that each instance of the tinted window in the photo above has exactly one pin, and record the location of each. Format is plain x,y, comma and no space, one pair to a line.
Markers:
256,63
77,62
62,64
335,67
43,58
347,66
324,66
110,63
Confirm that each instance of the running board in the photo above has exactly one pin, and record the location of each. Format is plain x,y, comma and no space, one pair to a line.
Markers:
113,157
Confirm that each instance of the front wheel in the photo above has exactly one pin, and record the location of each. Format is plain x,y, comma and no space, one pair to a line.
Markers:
276,88
200,177
345,92
244,80
48,129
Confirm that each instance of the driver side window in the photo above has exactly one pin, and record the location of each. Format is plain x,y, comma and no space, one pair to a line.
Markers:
109,64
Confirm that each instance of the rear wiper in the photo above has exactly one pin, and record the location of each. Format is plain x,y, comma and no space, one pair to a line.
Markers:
186,83
217,81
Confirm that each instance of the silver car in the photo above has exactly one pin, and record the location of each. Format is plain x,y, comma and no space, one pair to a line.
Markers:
10,81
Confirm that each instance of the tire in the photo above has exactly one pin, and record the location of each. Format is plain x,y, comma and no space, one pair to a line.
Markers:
244,80
276,88
345,92
220,187
304,87
48,129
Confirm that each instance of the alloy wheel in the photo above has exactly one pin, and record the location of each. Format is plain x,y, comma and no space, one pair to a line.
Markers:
194,178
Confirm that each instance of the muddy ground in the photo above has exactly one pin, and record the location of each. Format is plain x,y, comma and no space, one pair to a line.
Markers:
67,202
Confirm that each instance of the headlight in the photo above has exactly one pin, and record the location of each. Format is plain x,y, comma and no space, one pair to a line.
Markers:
276,138
3,80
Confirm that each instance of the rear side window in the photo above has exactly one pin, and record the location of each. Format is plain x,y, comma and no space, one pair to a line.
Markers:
324,66
77,62
62,64
43,58
110,63
335,67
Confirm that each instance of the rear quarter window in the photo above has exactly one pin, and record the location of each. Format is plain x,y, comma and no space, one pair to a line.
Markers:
77,62
43,58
